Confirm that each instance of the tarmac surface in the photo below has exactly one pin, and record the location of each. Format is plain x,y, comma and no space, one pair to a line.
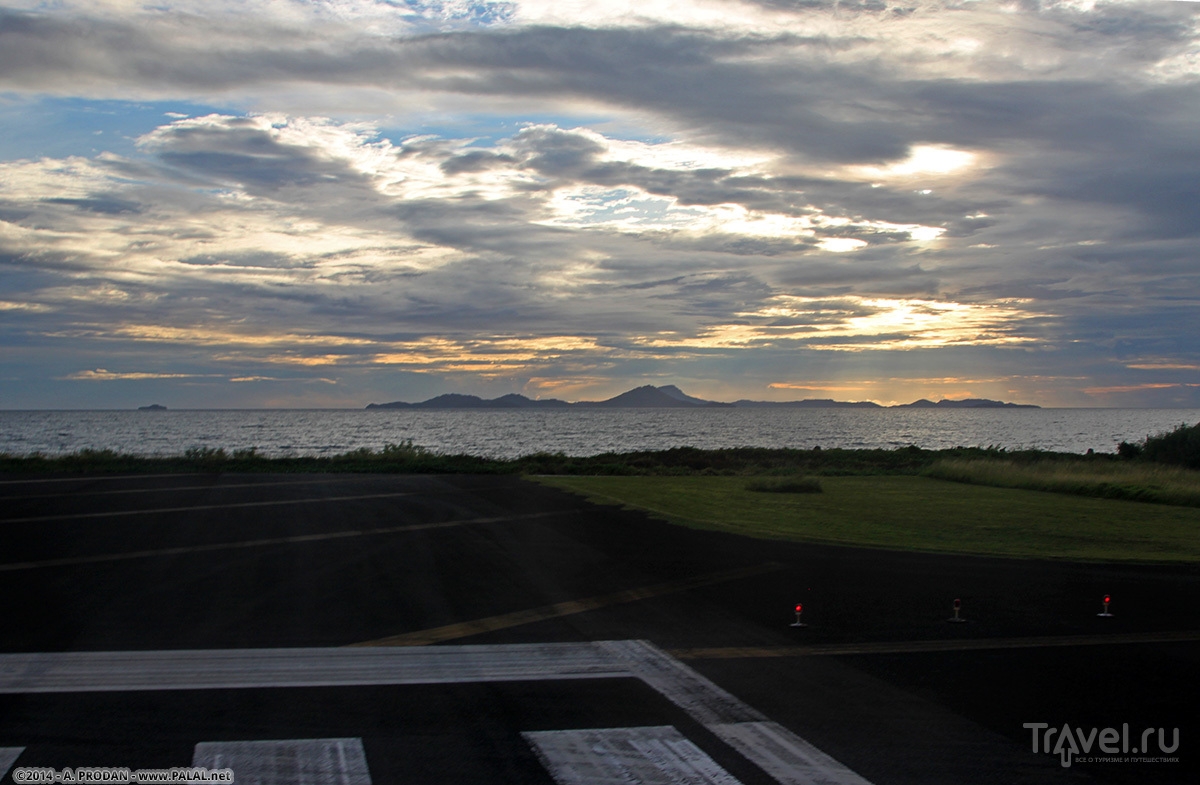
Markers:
466,629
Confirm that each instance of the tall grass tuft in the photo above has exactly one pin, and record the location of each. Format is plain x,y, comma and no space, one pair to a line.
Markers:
1131,480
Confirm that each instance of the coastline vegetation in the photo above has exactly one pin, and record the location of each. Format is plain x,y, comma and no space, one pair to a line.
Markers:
405,457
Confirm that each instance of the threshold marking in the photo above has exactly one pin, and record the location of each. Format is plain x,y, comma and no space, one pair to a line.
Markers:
655,755
290,762
786,757
907,647
569,608
68,561
8,756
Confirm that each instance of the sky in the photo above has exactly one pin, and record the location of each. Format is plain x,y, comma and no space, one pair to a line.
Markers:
327,203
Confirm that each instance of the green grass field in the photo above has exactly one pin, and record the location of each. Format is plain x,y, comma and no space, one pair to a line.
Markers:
914,513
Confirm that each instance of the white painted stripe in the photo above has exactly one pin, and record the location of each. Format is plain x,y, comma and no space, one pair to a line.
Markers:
291,762
213,486
785,756
789,759
198,507
311,667
8,756
96,478
658,755
706,702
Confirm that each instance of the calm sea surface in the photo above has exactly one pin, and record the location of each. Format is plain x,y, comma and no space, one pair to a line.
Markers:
508,433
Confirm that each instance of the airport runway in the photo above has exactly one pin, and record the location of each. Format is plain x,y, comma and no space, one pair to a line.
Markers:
353,628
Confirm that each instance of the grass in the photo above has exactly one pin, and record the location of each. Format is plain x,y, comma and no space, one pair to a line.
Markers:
784,485
1131,480
914,513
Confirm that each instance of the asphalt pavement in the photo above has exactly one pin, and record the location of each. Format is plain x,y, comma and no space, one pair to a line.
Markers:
516,633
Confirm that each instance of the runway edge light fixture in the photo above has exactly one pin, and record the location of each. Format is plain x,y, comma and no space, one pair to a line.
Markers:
957,607
797,622
1107,599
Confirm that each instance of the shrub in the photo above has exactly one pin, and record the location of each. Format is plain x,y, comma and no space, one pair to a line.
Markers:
206,456
1129,451
1180,447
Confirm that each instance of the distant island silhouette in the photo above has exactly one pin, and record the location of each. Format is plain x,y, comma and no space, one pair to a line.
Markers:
671,397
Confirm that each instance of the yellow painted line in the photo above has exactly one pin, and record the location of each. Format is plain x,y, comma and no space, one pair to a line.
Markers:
226,546
571,607
916,647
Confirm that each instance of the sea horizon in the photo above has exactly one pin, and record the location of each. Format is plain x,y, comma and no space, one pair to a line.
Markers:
511,433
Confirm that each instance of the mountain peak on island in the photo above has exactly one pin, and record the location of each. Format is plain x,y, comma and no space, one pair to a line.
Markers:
964,403
649,396
671,397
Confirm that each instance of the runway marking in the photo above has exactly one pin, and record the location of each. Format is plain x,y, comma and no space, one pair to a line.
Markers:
70,561
789,759
8,756
97,478
907,647
786,757
291,762
655,755
569,608
177,488
122,671
194,508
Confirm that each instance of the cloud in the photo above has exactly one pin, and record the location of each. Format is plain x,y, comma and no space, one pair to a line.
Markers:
693,188
102,375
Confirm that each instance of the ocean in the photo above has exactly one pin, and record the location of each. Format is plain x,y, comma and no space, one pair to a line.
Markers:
500,433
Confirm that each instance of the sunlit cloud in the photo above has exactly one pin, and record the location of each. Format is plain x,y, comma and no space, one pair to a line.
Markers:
102,375
282,379
861,324
922,160
566,198
1164,366
818,386
841,244
1138,388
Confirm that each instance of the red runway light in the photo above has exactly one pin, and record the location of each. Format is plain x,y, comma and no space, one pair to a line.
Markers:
1106,599
799,607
